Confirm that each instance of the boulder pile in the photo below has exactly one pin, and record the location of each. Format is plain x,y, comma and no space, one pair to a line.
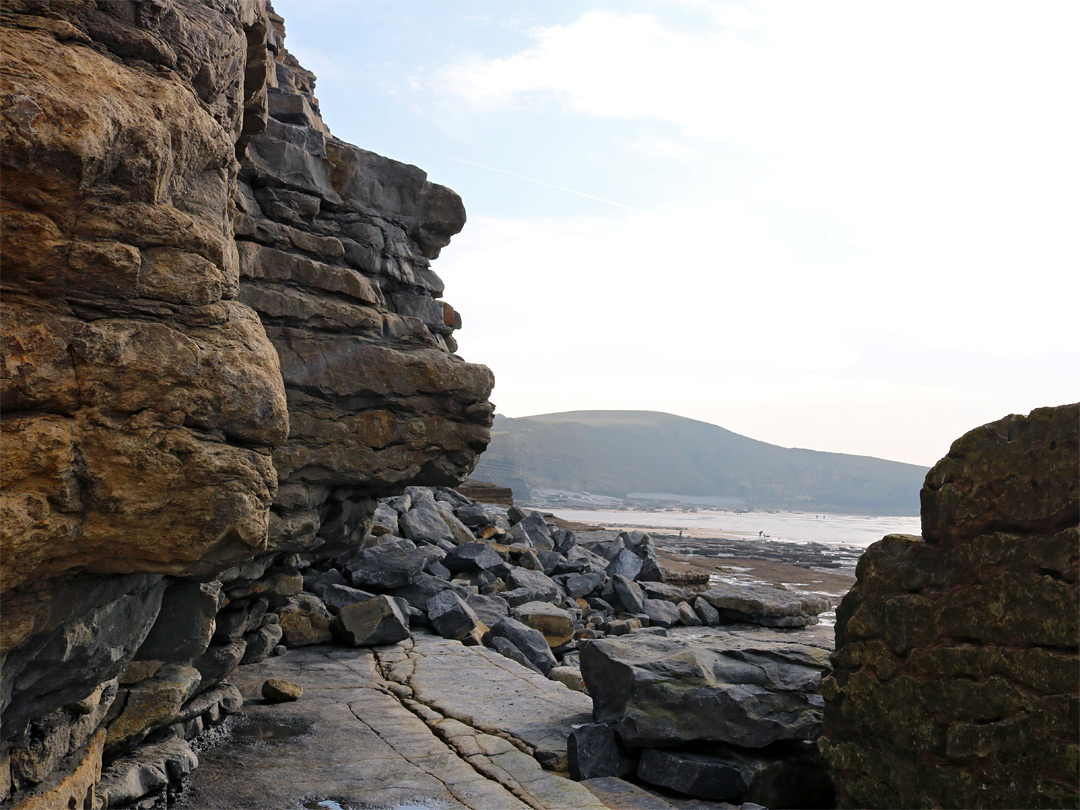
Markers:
717,683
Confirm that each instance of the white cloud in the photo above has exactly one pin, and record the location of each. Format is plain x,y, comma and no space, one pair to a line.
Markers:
929,149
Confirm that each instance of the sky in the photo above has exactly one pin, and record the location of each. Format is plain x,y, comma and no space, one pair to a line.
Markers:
841,225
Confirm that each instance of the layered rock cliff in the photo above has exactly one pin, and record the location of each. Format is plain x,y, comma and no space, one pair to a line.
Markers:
204,294
956,677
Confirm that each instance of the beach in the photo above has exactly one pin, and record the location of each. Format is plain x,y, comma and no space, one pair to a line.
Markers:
797,551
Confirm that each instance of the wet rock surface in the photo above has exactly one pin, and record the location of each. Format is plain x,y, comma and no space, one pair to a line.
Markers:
954,678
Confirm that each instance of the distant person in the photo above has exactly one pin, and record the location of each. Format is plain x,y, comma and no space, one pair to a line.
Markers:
761,533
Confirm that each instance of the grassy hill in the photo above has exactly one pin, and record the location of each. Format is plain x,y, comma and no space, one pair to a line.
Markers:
621,452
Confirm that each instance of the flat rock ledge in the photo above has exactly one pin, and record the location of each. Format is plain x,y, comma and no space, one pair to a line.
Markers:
428,722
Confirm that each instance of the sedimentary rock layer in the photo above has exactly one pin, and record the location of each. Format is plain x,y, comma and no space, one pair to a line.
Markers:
955,674
194,270
335,246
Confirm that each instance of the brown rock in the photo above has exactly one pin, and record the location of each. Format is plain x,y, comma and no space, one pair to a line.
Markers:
556,624
954,676
123,352
279,690
304,620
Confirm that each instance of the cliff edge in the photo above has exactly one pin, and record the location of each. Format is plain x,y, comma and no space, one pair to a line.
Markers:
222,339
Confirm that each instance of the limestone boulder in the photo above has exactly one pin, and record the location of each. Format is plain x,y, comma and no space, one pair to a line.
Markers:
528,641
749,689
381,620
764,605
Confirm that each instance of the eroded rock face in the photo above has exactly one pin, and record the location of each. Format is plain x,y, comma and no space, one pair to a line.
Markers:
143,398
955,674
140,398
335,245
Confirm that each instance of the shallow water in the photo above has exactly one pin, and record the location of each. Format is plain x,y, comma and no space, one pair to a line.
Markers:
841,530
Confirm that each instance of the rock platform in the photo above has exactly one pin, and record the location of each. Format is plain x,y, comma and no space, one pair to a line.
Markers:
368,733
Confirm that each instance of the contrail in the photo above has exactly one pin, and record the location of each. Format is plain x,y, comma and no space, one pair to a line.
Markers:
533,180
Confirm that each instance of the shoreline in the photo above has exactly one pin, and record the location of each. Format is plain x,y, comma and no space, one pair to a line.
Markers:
743,557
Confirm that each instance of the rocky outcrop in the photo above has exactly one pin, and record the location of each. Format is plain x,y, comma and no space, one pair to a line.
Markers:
194,270
335,246
954,680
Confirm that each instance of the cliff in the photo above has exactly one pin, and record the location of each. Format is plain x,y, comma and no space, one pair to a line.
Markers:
955,676
222,339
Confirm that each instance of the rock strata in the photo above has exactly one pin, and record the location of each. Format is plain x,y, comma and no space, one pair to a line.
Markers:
195,269
954,680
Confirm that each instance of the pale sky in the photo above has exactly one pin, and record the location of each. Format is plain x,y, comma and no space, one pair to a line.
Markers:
846,226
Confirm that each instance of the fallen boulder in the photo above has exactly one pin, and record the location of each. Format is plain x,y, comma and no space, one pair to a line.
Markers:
765,605
531,643
749,689
382,620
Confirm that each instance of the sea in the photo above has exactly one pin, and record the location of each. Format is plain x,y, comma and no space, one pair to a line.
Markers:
800,527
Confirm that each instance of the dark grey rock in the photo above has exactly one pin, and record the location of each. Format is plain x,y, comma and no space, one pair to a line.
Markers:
437,569
536,529
549,560
578,585
506,648
423,523
530,642
709,615
663,590
217,662
490,609
548,590
240,618
259,643
335,597
474,557
385,568
331,577
661,613
450,496
110,619
384,521
381,620
423,588
593,752
764,605
687,616
697,775
451,616
629,593
461,533
625,563
564,540
784,775
185,622
477,515
749,689
641,544
144,771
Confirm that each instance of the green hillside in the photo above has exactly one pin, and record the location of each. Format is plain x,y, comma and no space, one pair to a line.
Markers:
620,452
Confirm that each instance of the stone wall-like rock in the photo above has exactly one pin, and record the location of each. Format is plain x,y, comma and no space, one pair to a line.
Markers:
194,270
956,678
335,247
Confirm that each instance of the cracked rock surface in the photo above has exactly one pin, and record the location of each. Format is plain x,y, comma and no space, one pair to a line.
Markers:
366,740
